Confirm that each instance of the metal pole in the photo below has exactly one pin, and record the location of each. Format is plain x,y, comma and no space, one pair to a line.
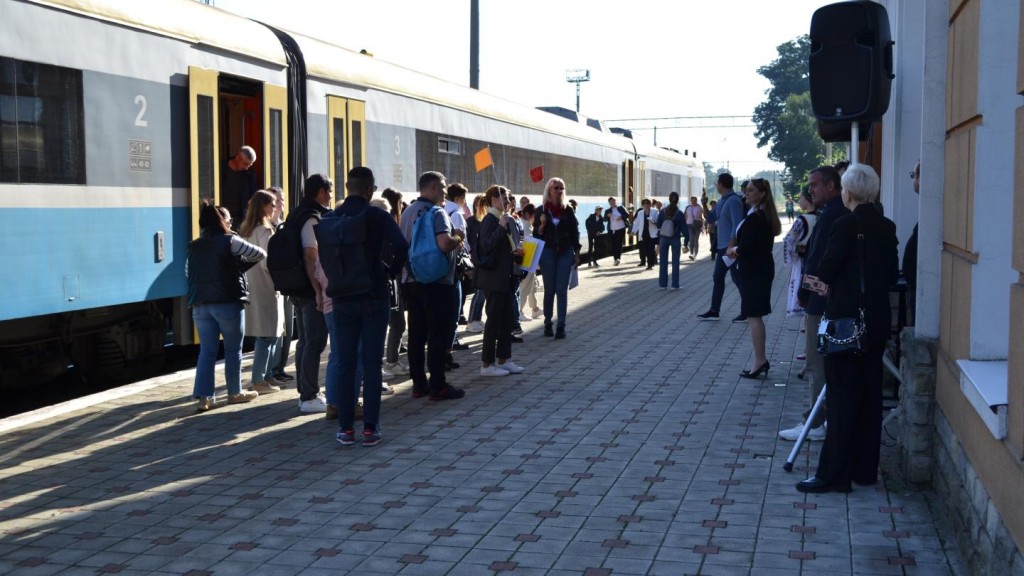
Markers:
854,143
577,97
474,44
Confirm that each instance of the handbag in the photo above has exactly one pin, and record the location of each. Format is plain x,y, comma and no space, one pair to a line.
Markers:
845,336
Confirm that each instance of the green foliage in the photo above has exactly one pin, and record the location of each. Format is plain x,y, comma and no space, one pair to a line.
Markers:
784,120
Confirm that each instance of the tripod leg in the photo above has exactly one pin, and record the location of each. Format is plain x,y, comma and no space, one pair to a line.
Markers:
788,466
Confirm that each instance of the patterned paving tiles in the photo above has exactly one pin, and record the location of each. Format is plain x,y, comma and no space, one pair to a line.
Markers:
642,453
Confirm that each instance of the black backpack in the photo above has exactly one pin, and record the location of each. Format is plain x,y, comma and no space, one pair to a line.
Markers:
285,260
341,239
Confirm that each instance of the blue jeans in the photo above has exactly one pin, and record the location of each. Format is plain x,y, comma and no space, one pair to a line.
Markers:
334,364
212,321
718,278
663,245
312,341
555,269
263,358
361,327
476,306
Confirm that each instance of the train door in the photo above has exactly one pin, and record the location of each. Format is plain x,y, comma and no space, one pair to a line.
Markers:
226,113
628,189
346,137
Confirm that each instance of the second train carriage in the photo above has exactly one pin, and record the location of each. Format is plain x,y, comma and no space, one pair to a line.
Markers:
118,117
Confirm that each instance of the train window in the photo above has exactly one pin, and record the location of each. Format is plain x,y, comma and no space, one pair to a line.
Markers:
204,121
449,146
357,143
276,154
339,149
42,128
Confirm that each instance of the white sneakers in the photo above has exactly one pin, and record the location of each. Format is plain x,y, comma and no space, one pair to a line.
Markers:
791,434
509,367
493,370
314,406
396,368
475,326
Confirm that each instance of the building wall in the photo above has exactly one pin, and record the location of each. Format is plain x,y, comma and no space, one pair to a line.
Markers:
978,475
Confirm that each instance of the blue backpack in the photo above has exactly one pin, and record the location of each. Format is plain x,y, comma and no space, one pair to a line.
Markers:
427,262
342,247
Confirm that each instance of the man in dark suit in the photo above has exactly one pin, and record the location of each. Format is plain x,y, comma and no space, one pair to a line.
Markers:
825,187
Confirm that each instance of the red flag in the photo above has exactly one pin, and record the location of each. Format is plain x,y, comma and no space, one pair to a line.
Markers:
537,174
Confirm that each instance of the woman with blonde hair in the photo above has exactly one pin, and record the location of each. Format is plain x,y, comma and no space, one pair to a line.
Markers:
753,252
266,308
555,223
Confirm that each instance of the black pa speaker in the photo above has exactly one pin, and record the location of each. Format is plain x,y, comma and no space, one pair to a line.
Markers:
841,131
850,61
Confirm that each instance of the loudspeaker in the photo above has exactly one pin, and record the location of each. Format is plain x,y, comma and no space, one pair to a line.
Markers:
850,61
840,131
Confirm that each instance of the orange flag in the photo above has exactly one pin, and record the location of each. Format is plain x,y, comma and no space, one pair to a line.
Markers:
483,159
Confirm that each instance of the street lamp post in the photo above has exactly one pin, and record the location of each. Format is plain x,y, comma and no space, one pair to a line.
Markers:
576,77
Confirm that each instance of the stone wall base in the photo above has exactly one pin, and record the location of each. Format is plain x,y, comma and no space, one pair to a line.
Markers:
930,453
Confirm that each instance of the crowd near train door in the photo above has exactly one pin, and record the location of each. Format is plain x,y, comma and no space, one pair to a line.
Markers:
346,135
225,113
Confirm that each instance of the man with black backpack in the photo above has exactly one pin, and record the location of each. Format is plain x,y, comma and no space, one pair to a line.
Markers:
291,259
429,288
351,241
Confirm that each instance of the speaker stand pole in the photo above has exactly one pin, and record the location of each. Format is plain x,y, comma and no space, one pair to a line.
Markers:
854,135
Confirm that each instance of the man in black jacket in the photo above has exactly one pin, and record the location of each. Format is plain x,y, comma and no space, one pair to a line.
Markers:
825,187
595,226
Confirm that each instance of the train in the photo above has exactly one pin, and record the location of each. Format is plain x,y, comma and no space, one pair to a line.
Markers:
118,117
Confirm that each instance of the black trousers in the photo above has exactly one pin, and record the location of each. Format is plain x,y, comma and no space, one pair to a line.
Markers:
432,322
648,249
498,327
591,248
854,398
618,238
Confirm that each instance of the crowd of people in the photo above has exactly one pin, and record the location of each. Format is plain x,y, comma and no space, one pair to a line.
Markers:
841,252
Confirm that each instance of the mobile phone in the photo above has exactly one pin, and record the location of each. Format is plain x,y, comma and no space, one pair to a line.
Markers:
813,283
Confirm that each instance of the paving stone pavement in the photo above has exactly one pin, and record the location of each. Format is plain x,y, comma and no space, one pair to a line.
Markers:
631,447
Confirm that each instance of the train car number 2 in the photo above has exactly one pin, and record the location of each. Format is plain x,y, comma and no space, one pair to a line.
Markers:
140,101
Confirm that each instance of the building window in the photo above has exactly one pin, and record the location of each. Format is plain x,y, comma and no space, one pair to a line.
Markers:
42,128
449,146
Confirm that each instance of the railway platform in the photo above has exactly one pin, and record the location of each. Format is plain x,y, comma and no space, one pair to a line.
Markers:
631,447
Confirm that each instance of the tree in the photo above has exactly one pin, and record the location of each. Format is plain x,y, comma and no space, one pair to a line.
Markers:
784,120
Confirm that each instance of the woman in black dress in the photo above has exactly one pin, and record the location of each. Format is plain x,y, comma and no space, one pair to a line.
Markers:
753,252
854,393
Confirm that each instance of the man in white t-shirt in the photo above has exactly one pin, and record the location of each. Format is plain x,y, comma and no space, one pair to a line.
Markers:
618,222
695,222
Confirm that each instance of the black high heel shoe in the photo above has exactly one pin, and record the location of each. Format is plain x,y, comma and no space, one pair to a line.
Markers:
756,373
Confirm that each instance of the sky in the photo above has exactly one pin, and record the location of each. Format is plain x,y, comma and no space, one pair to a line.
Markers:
647,58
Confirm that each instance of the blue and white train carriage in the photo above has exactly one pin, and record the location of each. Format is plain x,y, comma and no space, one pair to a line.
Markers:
117,117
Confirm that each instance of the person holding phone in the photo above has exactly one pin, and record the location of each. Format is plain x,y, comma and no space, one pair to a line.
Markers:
557,226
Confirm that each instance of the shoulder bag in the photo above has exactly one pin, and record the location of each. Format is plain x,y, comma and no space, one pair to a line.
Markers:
845,336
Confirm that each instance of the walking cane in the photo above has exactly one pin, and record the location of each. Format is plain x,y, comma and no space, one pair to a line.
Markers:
788,466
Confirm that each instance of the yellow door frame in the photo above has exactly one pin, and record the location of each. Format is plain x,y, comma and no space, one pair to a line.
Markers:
350,113
275,100
202,83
